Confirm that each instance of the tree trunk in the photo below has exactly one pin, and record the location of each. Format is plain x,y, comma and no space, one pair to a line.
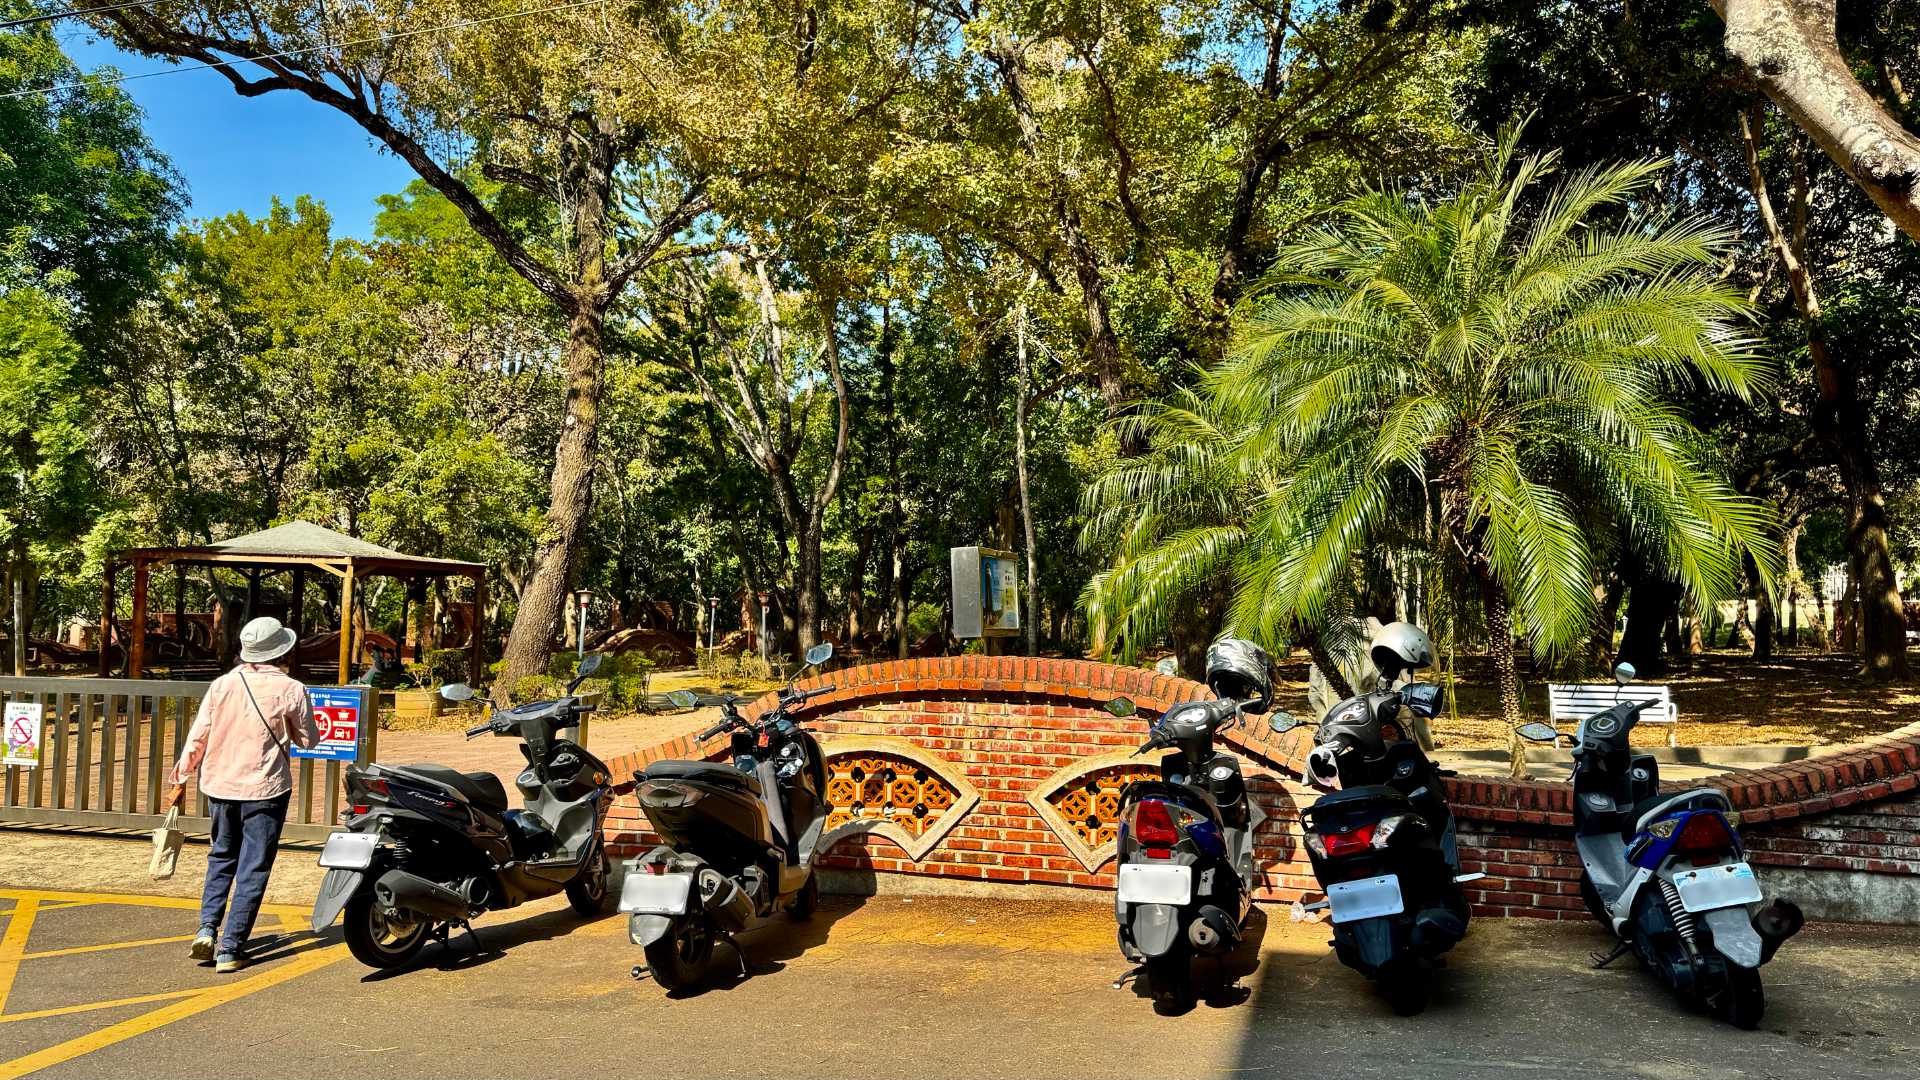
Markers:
1606,612
1020,381
1103,344
857,584
1650,606
902,597
543,601
1838,417
1329,670
1790,47
1764,619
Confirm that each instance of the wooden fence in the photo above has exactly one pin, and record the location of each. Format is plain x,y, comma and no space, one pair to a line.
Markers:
108,744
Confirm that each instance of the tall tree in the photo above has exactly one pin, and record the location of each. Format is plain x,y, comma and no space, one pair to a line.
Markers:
584,113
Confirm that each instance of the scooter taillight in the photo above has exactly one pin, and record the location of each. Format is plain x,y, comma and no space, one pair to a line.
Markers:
377,786
1705,834
1348,843
1153,828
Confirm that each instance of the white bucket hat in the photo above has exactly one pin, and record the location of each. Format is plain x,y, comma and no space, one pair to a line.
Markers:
264,639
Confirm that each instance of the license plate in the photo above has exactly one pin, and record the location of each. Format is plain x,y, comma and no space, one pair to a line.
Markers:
1369,898
1714,887
655,894
1146,883
349,850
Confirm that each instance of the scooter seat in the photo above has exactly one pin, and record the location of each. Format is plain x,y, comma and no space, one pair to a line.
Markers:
703,772
481,789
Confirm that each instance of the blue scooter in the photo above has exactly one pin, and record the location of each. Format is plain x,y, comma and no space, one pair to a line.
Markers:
1666,872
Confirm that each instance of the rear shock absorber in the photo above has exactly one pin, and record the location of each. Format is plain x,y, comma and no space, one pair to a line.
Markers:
1682,918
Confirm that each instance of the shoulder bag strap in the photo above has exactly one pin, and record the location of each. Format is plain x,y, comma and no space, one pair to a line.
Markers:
257,711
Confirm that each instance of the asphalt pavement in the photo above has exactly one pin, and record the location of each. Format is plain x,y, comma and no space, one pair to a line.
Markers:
99,985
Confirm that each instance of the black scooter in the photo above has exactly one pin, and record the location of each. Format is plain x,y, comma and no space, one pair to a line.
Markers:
1184,865
739,837
1382,841
425,848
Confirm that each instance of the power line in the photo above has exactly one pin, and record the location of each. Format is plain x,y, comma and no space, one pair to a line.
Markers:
284,53
52,15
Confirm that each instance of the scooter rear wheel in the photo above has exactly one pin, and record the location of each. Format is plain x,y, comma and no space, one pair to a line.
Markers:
1744,1001
379,936
1407,986
1170,979
678,959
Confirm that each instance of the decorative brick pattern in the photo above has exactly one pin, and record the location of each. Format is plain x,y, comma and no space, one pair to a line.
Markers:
1028,741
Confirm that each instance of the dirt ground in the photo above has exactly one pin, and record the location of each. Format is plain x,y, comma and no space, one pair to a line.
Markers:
1798,699
665,682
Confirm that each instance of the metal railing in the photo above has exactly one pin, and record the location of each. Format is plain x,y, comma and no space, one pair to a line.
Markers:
108,745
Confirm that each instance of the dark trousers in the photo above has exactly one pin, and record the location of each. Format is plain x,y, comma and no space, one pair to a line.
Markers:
246,837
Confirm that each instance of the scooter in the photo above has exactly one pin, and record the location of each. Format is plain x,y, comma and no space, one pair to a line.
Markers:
1382,840
1666,872
1185,844
426,848
739,837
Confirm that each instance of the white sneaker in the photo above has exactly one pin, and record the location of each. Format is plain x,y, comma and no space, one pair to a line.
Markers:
202,948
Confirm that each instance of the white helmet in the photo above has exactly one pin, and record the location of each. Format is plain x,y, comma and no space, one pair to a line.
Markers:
1401,647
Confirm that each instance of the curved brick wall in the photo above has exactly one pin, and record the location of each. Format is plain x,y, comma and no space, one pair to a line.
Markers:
1006,769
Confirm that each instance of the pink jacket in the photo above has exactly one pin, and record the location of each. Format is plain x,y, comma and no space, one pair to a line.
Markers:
238,751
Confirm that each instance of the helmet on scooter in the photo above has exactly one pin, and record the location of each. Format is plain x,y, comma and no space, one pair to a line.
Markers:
1401,647
1239,669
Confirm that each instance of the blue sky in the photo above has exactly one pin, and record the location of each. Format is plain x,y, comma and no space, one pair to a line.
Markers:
237,153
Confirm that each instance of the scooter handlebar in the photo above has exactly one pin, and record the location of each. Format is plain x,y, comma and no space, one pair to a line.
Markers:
715,730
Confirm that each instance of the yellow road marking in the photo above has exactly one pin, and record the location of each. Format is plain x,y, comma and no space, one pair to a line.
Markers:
108,947
90,1006
14,944
77,899
167,1014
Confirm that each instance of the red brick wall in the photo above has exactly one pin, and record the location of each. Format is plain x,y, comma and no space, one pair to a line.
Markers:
1009,724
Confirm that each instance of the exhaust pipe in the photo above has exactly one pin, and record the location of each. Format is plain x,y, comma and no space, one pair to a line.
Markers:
729,905
1775,923
1211,930
399,889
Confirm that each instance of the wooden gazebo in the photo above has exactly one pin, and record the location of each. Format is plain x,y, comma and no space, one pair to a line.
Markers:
294,548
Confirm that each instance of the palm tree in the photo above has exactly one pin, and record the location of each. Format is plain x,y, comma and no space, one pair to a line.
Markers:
1494,374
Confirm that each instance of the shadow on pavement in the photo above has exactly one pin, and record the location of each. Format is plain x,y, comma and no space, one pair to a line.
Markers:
764,947
1216,980
483,945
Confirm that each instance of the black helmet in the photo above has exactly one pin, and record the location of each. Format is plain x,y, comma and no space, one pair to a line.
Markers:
1239,669
1401,646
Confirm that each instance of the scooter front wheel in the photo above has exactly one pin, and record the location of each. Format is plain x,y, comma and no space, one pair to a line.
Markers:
806,901
588,893
679,957
379,936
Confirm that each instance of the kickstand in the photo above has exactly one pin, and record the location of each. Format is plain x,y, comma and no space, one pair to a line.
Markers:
472,935
1619,950
738,953
1131,973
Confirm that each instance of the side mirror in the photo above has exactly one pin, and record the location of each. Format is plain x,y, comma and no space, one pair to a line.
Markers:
1623,674
458,691
1166,666
1282,722
1122,706
589,665
820,654
1538,732
685,699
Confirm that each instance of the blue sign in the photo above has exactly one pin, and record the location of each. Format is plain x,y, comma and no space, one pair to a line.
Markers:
336,713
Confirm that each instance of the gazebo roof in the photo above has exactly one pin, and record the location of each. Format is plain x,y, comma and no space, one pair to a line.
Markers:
305,542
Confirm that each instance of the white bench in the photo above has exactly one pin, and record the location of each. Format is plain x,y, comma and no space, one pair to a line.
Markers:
1574,702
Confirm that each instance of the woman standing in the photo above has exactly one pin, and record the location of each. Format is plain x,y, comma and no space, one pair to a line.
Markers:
239,746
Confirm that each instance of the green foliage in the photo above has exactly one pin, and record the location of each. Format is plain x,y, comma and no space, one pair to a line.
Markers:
1491,375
